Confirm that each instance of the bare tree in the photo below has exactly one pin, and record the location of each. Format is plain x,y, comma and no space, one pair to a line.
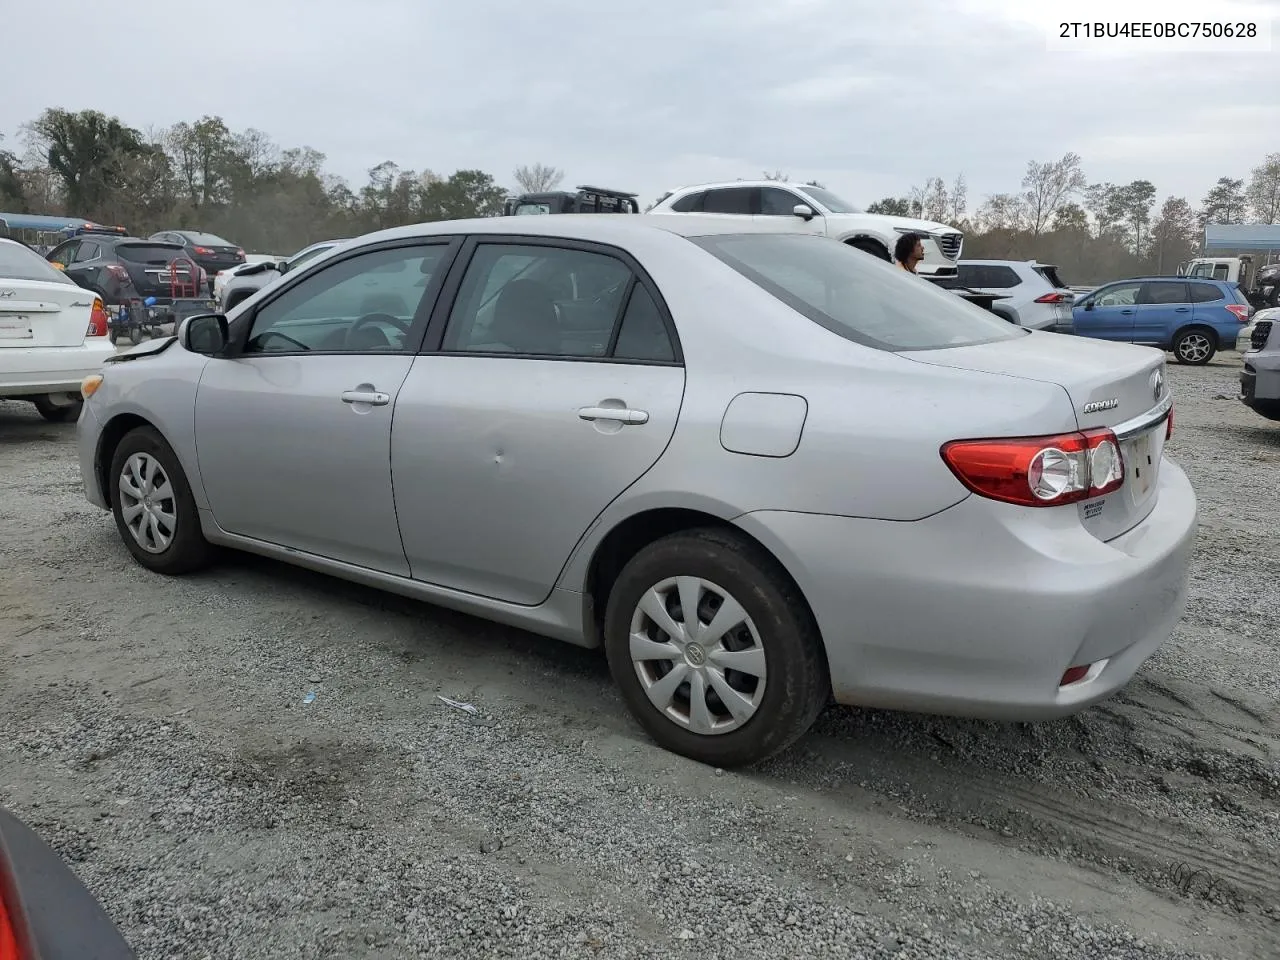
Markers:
936,200
1003,211
959,202
538,178
776,175
1047,186
1264,190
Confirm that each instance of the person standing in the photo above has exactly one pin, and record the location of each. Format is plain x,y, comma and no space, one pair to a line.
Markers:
909,251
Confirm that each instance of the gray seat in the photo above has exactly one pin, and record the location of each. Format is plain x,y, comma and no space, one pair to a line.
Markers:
525,318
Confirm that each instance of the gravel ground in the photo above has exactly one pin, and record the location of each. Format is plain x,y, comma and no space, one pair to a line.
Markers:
157,733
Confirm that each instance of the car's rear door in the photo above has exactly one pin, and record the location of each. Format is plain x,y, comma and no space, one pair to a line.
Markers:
293,434
550,382
1163,308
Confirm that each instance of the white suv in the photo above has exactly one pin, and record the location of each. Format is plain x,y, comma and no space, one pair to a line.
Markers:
1031,294
818,210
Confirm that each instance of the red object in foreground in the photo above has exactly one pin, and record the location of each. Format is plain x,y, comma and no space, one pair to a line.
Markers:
1039,471
1073,674
1054,298
97,328
8,944
1168,433
1240,311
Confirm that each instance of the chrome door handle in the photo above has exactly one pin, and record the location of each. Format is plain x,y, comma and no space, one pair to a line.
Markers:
614,413
371,397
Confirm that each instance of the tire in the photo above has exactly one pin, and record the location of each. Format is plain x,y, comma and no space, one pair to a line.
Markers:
873,248
795,685
1195,346
186,549
58,413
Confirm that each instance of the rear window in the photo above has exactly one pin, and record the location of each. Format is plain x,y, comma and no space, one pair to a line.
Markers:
208,240
860,298
149,252
19,263
1051,274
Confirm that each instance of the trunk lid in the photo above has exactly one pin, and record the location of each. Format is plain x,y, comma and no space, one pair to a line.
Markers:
1114,385
147,263
42,313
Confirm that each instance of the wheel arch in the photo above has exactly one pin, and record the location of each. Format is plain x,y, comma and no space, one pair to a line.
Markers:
1200,326
863,238
633,533
115,430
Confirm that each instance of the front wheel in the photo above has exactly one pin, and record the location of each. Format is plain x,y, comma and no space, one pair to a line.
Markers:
714,649
873,248
58,412
153,506
1195,347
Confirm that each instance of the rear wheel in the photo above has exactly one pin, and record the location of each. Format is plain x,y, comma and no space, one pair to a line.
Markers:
714,649
1195,346
153,506
65,412
877,250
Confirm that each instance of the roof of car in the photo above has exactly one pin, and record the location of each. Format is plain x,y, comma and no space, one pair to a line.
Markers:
602,227
718,184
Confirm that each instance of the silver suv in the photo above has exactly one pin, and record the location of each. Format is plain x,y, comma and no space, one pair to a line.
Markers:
249,280
1260,378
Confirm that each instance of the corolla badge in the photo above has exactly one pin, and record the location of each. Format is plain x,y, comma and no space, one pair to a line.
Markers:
1157,383
1099,405
5,294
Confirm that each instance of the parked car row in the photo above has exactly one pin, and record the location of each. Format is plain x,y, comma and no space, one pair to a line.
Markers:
660,436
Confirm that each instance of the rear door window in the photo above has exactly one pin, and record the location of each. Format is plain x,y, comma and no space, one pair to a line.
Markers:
734,200
690,203
1162,292
857,297
88,251
1205,293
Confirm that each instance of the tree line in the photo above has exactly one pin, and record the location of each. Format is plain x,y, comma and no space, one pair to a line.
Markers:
272,199
1095,231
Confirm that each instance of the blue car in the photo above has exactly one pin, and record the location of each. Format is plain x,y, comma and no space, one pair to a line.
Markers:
1193,318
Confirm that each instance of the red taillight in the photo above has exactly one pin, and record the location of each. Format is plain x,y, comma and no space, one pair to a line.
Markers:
202,251
97,319
117,271
1054,298
1240,311
1039,471
1073,674
240,254
8,939
1168,430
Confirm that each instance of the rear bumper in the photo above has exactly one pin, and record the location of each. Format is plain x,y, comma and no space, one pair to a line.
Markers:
915,618
31,371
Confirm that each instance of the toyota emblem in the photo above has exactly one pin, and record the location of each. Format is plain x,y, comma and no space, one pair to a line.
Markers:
1157,384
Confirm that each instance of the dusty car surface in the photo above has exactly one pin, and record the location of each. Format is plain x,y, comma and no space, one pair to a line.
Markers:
760,468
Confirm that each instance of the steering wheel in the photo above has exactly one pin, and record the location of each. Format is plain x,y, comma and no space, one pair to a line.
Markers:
370,319
263,337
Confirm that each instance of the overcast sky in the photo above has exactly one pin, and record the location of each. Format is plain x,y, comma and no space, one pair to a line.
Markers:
867,96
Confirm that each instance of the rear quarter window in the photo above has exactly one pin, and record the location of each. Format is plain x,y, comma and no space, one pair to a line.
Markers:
691,203
1051,274
19,263
857,297
1206,293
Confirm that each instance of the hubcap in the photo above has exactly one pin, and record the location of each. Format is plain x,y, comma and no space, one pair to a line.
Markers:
698,655
147,504
1194,347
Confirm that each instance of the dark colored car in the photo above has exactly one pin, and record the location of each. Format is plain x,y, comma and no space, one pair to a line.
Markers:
45,911
120,268
208,250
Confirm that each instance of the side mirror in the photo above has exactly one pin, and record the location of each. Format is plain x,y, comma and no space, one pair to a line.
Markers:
1088,304
282,266
803,211
206,333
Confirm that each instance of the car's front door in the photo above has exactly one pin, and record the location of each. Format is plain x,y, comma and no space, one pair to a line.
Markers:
1163,307
293,432
63,254
1109,313
778,202
549,385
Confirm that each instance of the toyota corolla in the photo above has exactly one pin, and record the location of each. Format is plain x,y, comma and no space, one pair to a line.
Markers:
760,469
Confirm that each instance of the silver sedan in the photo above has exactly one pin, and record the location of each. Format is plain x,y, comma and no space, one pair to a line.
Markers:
761,469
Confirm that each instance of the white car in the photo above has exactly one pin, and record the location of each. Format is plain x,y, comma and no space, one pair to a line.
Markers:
1032,294
222,276
252,277
53,334
818,210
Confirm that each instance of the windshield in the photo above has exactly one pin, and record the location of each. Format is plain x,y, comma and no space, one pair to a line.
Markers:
829,200
860,298
19,263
